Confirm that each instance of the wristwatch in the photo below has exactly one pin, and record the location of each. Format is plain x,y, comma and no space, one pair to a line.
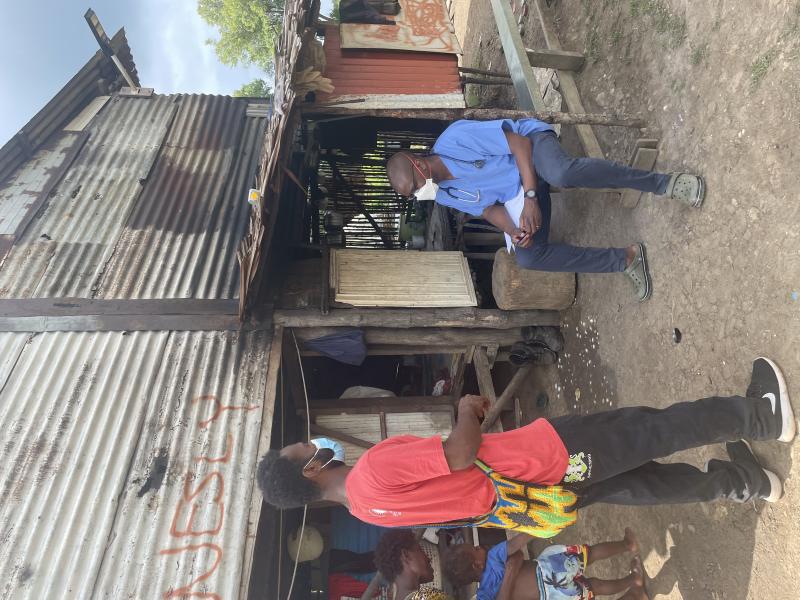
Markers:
530,194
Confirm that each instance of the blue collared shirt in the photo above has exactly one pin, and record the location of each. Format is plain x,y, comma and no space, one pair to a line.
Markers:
474,187
493,574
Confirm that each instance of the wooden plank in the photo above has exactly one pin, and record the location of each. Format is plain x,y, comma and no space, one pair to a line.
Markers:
384,433
573,117
466,318
395,350
568,87
81,314
529,96
430,336
402,279
264,440
556,59
644,158
458,366
74,307
344,437
325,296
386,404
126,323
376,406
499,74
497,408
485,384
484,374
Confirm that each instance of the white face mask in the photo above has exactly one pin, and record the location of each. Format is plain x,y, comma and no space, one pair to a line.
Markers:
333,445
427,191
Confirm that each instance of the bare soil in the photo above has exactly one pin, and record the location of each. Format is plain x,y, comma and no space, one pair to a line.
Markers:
721,80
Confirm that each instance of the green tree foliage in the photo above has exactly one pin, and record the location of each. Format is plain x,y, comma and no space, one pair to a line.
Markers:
248,30
258,88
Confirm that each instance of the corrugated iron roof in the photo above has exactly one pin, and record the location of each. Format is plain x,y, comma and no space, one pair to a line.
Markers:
128,462
152,207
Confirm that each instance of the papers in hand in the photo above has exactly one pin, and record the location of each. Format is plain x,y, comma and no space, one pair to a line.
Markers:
514,208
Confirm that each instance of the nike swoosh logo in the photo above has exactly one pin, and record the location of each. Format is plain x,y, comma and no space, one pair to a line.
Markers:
771,397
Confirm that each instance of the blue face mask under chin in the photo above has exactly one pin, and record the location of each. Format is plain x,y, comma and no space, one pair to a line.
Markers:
336,447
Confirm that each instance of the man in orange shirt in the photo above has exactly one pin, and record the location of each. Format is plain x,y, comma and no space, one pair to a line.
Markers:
604,457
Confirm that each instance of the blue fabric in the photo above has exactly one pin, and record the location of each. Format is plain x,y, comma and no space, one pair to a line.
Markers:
492,577
348,533
347,347
497,180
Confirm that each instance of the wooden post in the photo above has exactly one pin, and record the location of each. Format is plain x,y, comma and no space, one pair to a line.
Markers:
485,384
569,89
556,59
457,367
529,96
479,81
400,318
484,72
482,114
497,408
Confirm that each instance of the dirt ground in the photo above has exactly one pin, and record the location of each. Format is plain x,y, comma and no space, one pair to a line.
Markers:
721,79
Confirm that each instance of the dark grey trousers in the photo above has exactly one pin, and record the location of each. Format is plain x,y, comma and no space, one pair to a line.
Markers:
555,167
620,447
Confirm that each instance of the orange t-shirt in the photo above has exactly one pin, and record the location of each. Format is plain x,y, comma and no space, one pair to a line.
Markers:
405,480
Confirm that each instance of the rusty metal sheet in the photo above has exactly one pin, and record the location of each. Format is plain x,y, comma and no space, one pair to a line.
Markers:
20,192
80,224
128,462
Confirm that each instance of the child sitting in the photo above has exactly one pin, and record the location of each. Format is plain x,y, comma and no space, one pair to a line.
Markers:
406,567
556,574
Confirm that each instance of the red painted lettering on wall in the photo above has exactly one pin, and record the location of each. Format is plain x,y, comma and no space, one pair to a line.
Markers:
203,492
220,408
186,591
222,459
213,481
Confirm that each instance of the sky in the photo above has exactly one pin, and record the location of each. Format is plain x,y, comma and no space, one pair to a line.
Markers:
43,43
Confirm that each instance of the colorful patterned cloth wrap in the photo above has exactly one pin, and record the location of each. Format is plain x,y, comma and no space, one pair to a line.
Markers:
539,510
560,573
428,594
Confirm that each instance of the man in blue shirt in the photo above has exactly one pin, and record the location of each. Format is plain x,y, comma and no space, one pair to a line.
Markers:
478,166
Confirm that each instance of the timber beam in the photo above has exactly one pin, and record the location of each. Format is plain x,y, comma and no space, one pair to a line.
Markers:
466,318
481,114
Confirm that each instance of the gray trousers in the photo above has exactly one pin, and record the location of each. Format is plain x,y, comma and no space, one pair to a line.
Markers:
555,167
619,448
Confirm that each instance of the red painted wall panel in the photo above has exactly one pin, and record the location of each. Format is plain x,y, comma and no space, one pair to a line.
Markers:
354,72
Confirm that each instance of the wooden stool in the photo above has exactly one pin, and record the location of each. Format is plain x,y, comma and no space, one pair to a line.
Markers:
515,288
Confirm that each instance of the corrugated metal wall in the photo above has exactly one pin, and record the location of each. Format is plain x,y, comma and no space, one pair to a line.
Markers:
153,206
129,459
127,462
373,71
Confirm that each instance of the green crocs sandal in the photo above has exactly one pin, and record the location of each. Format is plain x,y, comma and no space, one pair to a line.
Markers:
639,274
687,188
